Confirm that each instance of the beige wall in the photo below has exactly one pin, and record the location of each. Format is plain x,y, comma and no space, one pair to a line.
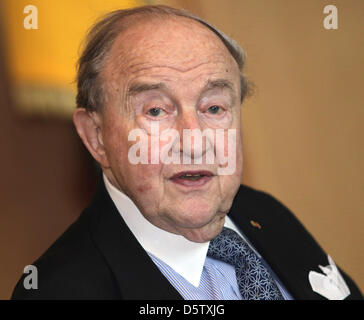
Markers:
303,129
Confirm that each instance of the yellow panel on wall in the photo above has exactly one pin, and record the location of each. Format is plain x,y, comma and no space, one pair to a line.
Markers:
41,62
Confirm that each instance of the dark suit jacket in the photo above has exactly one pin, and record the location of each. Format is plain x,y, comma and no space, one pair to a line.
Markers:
99,258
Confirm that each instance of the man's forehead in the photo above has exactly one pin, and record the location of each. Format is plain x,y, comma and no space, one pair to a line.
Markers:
179,43
190,84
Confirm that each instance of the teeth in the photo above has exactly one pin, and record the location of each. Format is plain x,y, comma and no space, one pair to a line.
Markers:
191,176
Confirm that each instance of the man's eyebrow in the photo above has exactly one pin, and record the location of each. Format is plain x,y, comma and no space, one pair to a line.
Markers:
219,84
137,88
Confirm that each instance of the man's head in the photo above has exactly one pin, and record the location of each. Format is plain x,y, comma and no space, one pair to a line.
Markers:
157,67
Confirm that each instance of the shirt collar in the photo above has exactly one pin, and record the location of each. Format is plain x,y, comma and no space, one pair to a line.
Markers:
185,257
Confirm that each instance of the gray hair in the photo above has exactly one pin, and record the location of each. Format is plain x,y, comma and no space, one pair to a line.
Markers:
101,36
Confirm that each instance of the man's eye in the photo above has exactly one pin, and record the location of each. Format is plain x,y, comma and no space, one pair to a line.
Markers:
215,109
156,112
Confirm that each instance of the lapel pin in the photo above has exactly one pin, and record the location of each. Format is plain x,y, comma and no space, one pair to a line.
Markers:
255,224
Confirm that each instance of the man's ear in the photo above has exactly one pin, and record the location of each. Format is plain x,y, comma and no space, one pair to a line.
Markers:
89,128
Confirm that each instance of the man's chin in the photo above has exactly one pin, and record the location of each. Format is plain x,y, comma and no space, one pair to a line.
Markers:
202,230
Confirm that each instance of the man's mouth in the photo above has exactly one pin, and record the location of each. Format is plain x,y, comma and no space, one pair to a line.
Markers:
192,178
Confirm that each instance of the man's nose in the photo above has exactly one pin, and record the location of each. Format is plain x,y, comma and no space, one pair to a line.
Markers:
192,144
188,119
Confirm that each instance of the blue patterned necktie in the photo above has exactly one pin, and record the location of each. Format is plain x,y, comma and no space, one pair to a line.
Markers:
254,280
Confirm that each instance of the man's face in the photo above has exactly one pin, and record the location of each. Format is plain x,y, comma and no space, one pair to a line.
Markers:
176,75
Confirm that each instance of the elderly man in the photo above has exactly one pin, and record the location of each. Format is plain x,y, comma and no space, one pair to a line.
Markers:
159,96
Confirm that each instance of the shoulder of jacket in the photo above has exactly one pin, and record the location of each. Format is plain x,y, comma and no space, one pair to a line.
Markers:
72,267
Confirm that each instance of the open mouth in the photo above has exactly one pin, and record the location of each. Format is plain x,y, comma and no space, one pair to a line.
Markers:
192,178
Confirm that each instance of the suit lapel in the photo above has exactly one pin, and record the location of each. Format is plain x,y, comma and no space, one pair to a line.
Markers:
136,274
281,240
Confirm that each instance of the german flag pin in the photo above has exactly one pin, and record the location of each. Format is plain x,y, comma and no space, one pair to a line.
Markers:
255,224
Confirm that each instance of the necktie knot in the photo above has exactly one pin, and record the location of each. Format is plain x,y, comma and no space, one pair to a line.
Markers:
229,247
254,280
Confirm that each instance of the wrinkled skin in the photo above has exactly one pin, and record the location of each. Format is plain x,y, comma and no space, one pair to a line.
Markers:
179,57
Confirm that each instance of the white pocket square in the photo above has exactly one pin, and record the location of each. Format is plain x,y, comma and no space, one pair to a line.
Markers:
331,284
